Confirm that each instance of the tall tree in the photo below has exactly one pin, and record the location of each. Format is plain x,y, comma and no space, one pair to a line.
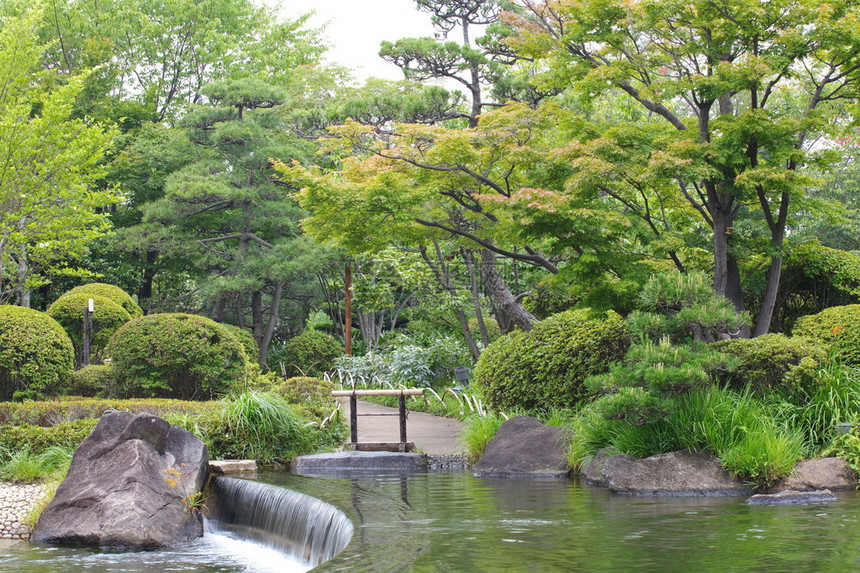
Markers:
743,89
49,162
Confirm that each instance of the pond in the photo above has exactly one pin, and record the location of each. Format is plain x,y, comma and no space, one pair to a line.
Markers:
454,522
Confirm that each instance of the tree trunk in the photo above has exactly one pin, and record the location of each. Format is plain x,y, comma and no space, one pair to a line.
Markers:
271,323
469,258
499,290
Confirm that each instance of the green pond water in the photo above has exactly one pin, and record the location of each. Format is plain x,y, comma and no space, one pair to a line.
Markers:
443,522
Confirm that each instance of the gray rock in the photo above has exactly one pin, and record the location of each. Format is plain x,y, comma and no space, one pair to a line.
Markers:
823,473
126,485
792,498
360,461
680,473
524,447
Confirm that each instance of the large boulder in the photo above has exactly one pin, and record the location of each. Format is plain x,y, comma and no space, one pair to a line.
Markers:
131,485
681,473
834,474
524,447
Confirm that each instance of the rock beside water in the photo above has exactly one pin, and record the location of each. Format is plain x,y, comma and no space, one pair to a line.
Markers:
681,473
792,498
127,487
524,447
834,474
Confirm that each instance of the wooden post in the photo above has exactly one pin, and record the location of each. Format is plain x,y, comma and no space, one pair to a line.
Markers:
88,326
402,403
353,417
347,297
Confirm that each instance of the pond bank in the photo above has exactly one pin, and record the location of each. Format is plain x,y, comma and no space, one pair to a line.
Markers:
16,503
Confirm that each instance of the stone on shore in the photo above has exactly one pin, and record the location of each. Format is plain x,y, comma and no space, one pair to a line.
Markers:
834,474
524,447
681,473
128,486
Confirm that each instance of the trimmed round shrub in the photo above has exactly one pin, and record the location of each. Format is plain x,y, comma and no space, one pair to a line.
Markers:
546,367
773,361
112,292
107,317
839,326
94,380
252,350
176,355
306,389
36,355
311,353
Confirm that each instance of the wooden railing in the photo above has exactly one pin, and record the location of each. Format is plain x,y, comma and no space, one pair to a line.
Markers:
354,395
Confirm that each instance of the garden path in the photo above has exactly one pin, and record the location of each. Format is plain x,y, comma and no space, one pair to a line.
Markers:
433,435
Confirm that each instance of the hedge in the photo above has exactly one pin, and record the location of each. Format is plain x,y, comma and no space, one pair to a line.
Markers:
310,353
114,293
107,317
771,362
546,367
176,355
839,326
36,355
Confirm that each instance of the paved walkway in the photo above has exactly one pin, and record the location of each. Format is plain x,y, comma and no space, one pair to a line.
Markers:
432,435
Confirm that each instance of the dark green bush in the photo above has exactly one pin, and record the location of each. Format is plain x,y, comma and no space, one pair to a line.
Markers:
182,356
839,326
107,317
92,380
546,367
306,389
813,278
252,350
114,293
309,354
36,355
772,361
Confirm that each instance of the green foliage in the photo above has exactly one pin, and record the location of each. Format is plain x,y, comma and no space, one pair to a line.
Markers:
548,365
36,355
813,278
244,336
114,293
176,355
734,426
38,439
251,424
663,368
261,426
839,326
306,389
52,208
107,317
816,411
91,381
24,466
492,326
478,433
683,307
774,361
310,353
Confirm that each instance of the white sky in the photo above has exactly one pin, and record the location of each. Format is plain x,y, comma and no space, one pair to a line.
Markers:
355,29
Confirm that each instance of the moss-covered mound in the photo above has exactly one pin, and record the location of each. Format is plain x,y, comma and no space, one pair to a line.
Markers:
36,355
546,366
176,355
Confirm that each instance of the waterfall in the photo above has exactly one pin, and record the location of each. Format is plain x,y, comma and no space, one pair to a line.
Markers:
305,527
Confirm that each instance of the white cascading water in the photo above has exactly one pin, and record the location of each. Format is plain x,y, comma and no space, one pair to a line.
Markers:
302,526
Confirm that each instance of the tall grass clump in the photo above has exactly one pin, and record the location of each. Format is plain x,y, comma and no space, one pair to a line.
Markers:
734,426
262,426
478,433
25,466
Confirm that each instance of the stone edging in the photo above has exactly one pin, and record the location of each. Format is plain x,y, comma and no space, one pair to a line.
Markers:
16,502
